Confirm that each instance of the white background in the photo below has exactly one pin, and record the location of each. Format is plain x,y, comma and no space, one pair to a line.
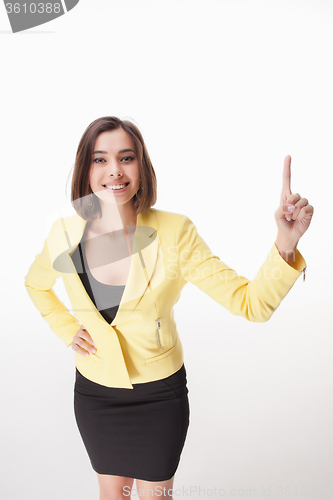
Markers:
222,91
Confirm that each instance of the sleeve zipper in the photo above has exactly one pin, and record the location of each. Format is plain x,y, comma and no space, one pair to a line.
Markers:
304,274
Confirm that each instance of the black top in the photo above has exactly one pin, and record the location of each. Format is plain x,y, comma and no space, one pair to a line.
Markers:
106,298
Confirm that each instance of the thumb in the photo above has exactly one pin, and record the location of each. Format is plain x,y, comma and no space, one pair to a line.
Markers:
284,212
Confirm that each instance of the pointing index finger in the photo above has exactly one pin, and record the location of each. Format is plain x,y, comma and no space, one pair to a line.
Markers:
286,177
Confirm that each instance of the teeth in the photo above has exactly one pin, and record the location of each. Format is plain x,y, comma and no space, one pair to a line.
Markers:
120,186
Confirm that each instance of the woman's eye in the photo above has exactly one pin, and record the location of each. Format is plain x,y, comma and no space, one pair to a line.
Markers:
96,160
128,158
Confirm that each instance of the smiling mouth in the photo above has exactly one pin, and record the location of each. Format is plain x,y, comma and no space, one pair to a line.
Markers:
116,187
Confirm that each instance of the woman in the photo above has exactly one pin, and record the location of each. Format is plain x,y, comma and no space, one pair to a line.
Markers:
124,265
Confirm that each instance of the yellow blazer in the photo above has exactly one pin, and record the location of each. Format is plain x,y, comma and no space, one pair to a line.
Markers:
142,343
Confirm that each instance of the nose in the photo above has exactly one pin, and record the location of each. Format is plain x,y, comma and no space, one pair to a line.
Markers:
115,169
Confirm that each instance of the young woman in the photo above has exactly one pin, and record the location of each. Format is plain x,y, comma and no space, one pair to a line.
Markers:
124,265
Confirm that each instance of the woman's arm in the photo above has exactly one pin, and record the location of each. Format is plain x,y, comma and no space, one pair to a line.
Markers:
39,282
255,300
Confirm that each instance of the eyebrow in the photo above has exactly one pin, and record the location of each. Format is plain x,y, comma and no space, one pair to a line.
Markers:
121,151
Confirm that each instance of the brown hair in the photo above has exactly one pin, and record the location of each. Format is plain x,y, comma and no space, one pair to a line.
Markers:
87,206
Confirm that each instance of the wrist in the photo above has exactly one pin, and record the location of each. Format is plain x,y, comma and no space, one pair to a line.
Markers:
287,249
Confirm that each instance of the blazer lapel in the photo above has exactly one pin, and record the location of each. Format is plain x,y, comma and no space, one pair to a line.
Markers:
143,262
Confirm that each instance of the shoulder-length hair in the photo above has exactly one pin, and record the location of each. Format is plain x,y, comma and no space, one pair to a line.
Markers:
84,201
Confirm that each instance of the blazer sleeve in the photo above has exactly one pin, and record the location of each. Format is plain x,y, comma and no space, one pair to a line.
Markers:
39,282
254,300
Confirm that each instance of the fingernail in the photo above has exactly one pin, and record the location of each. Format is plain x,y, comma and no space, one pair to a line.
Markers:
93,351
87,354
291,208
288,219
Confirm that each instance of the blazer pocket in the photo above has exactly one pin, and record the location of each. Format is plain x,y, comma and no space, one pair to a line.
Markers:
160,356
94,357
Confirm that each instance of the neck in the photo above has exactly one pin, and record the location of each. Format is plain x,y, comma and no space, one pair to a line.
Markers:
114,217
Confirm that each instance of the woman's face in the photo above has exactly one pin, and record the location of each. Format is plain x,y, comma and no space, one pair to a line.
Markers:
114,163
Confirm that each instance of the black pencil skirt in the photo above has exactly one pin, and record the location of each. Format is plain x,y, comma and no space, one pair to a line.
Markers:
137,433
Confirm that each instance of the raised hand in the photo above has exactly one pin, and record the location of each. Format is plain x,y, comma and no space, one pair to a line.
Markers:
292,223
